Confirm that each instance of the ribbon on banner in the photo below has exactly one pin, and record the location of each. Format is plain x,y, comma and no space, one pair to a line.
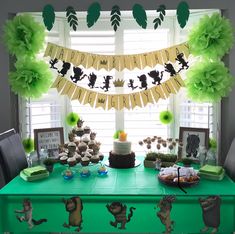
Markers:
118,62
118,101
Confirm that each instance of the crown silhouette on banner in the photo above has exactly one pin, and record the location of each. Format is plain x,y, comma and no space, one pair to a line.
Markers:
103,62
101,100
118,83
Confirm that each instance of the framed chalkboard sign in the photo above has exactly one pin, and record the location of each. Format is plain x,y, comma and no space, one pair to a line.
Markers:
48,139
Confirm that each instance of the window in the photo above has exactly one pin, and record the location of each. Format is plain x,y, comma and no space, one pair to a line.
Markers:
50,111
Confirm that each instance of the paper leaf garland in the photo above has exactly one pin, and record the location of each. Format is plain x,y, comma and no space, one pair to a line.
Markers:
72,119
115,17
23,36
28,145
212,37
158,21
93,14
208,81
48,16
140,15
183,14
31,79
166,117
71,17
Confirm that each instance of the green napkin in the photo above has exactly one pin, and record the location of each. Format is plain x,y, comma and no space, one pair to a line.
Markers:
34,170
214,170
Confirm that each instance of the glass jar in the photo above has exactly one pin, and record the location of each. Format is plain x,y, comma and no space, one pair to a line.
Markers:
202,155
211,157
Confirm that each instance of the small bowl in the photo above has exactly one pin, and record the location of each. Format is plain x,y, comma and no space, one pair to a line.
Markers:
85,174
68,174
103,173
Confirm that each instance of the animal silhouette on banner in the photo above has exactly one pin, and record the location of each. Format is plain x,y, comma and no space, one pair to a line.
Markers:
78,74
131,84
143,81
182,62
106,83
52,62
155,75
92,80
65,67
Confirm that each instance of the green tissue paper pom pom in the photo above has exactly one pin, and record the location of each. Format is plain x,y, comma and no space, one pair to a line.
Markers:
116,134
28,145
24,36
212,37
166,117
31,79
72,119
208,81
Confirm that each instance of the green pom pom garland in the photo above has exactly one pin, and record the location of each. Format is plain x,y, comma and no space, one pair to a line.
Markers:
28,145
24,36
208,81
212,37
72,119
166,117
31,79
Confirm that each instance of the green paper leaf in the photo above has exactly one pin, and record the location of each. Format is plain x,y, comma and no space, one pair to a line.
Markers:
158,21
93,14
183,14
140,16
71,17
48,15
115,17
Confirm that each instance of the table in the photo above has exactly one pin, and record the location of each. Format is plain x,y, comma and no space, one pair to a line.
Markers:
137,187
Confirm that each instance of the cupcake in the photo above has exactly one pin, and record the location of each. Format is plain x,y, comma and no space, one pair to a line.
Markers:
86,139
72,147
87,154
91,144
72,161
90,151
79,132
87,130
82,147
63,154
85,161
101,156
77,157
63,159
95,159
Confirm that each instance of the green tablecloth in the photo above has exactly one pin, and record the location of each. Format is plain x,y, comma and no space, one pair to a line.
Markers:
135,181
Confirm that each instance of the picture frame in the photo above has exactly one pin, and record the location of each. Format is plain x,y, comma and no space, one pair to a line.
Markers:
192,139
48,139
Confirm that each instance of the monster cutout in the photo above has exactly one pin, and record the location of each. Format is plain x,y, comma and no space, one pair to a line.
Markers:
92,79
78,74
192,146
182,62
131,84
165,205
211,213
155,75
118,210
74,207
169,68
65,68
27,216
106,83
53,62
143,81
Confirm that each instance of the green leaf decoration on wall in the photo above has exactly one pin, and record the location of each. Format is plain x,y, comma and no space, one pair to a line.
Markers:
93,14
183,14
140,15
115,17
71,17
48,15
158,21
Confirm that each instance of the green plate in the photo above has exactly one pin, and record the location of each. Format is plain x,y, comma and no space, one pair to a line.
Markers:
35,177
211,176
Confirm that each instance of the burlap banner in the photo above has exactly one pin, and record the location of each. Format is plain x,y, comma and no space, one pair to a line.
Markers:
118,101
118,62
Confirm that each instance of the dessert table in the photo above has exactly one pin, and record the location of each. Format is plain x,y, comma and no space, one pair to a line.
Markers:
137,192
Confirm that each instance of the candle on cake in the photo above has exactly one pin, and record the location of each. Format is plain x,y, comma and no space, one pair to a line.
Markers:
122,136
